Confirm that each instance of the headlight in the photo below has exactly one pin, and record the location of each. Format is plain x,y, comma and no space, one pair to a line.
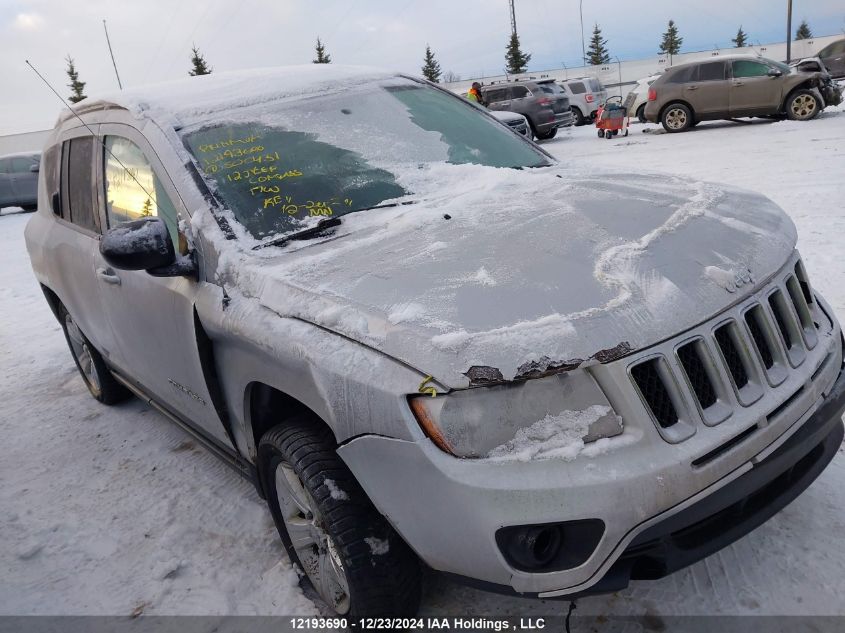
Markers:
543,417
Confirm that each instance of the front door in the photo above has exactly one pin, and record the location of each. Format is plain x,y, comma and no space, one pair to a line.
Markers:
710,93
152,317
753,91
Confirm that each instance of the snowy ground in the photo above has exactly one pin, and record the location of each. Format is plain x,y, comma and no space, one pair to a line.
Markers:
117,511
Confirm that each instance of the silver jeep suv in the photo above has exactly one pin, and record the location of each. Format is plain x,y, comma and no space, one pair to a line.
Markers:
542,102
423,340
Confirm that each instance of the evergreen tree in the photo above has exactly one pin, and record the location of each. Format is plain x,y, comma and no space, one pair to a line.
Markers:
741,38
671,42
147,209
75,85
322,56
431,67
803,32
516,61
200,67
597,53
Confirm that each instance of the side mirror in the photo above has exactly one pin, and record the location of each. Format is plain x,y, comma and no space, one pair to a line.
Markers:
775,72
139,245
35,168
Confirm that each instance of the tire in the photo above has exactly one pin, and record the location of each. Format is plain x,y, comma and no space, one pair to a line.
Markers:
601,133
676,117
802,105
641,114
95,373
352,558
547,135
579,118
608,135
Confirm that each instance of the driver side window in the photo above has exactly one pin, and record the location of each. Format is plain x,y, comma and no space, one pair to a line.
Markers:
133,190
744,68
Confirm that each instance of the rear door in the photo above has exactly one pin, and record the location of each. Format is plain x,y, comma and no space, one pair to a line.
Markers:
709,90
6,196
753,91
152,317
24,180
520,100
73,240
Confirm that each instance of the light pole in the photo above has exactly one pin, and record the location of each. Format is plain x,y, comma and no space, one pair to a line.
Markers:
788,31
619,65
583,48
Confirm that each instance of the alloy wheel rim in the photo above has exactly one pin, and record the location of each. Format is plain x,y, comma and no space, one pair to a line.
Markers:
82,351
803,106
316,550
676,118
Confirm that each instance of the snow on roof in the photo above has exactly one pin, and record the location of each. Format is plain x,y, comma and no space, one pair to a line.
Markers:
194,96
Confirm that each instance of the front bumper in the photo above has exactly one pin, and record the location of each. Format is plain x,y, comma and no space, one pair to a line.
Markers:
448,509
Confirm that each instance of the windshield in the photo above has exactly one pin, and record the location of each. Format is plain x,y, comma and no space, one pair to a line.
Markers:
274,166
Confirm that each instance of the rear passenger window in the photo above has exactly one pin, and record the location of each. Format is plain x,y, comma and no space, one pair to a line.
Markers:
712,72
745,68
133,191
78,204
4,166
684,75
519,92
577,88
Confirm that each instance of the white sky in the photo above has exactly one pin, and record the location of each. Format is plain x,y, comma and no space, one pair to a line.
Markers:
152,39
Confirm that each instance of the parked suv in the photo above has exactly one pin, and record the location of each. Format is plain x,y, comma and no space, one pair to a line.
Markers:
732,87
585,96
542,102
833,56
19,181
420,338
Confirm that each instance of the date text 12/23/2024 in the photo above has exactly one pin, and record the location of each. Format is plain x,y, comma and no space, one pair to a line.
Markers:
419,624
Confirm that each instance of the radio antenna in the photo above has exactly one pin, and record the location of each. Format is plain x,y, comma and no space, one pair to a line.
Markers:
88,127
108,41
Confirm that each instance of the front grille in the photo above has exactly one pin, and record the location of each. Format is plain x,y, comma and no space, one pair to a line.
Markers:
756,347
755,325
697,375
731,355
777,305
654,391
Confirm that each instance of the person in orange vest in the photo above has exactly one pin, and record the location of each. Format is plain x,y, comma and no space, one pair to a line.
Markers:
474,93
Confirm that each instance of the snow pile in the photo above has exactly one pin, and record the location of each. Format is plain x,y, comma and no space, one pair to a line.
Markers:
558,436
336,493
378,547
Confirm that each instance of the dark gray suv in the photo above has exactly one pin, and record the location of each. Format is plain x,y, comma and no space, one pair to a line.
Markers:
543,103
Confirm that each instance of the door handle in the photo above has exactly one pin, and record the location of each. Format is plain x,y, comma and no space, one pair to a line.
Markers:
692,87
108,275
739,83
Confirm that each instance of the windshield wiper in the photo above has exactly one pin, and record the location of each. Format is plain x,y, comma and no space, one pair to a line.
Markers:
321,227
305,234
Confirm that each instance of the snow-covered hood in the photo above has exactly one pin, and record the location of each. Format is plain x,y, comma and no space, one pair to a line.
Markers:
532,269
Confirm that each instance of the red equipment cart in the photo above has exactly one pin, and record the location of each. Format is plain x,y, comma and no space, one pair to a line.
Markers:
611,118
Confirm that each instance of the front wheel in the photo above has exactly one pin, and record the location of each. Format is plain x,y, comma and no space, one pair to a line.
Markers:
676,118
802,106
579,118
351,556
93,369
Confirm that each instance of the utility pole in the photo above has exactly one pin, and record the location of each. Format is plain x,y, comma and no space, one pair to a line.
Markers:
583,48
513,19
788,31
